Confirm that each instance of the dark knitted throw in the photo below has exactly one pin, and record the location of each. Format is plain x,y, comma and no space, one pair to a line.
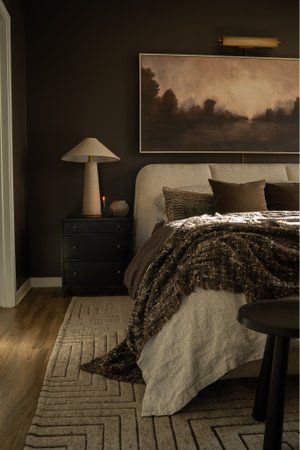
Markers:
258,259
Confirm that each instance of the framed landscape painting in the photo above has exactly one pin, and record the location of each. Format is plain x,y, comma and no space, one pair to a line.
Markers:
218,104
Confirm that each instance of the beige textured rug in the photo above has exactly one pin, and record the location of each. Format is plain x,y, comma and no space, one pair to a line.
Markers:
81,411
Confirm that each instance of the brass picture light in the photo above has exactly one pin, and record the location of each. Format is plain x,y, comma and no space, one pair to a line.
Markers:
248,42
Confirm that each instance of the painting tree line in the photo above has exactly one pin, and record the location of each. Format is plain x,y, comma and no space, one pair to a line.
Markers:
191,127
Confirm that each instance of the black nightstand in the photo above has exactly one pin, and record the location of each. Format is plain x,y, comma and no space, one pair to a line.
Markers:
95,255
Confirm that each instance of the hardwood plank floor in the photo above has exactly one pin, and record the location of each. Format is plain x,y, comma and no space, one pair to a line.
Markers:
27,335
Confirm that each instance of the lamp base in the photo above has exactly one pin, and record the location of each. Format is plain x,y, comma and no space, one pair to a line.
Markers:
91,194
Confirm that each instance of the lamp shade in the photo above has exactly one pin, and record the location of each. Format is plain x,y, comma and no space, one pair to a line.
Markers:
90,147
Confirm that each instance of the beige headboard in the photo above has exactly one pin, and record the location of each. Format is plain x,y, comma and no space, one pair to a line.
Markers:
152,178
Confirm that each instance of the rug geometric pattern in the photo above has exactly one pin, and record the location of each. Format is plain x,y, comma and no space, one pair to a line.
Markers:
82,411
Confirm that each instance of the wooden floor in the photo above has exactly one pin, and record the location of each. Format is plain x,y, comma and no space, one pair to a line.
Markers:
27,335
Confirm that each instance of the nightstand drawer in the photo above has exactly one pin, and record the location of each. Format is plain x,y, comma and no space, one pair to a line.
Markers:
96,226
108,246
94,273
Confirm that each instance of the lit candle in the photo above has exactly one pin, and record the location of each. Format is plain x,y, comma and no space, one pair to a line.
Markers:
103,203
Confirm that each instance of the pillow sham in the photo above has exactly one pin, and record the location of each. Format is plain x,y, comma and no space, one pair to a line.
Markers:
183,204
160,203
283,196
239,197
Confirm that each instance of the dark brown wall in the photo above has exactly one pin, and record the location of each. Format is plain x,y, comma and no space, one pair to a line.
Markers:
83,81
18,32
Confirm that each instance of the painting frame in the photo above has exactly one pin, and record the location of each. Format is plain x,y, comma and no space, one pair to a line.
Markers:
204,151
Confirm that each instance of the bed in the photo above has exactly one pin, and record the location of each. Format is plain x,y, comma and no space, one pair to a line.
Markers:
162,379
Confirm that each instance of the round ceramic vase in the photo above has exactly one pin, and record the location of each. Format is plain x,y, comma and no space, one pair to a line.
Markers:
119,208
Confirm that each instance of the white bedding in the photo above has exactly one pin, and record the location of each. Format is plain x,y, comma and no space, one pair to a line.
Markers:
201,343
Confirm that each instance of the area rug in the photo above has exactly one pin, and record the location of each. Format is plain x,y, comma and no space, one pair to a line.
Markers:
80,411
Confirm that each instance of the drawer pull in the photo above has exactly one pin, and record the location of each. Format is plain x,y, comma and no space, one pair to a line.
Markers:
118,246
74,247
74,227
118,227
75,273
119,272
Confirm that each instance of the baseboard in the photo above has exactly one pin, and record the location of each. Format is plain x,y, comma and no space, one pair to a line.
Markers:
22,291
44,282
37,282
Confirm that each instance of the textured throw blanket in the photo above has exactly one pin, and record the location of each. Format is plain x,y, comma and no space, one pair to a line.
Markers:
238,252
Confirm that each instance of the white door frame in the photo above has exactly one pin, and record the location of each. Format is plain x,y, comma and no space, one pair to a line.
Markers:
7,226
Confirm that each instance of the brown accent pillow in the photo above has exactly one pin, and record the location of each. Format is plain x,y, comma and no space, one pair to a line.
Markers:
235,197
184,204
282,196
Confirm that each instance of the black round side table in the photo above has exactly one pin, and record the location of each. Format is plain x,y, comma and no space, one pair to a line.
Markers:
279,319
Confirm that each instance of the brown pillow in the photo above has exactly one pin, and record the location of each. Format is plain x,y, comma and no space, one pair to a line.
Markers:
282,196
235,197
183,204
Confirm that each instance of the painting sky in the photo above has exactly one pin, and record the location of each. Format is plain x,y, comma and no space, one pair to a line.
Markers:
243,86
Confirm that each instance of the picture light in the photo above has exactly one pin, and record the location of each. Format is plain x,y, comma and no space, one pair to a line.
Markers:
248,42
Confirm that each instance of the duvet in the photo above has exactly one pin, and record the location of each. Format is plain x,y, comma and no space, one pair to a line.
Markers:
187,283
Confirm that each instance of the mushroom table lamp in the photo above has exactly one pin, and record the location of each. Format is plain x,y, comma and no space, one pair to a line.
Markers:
90,151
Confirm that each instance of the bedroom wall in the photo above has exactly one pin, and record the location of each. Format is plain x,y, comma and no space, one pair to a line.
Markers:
17,13
82,71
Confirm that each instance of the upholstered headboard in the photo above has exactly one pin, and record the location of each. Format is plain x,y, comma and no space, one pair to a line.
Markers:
152,178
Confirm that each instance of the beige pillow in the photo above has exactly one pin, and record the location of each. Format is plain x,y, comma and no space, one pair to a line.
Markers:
239,197
183,204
